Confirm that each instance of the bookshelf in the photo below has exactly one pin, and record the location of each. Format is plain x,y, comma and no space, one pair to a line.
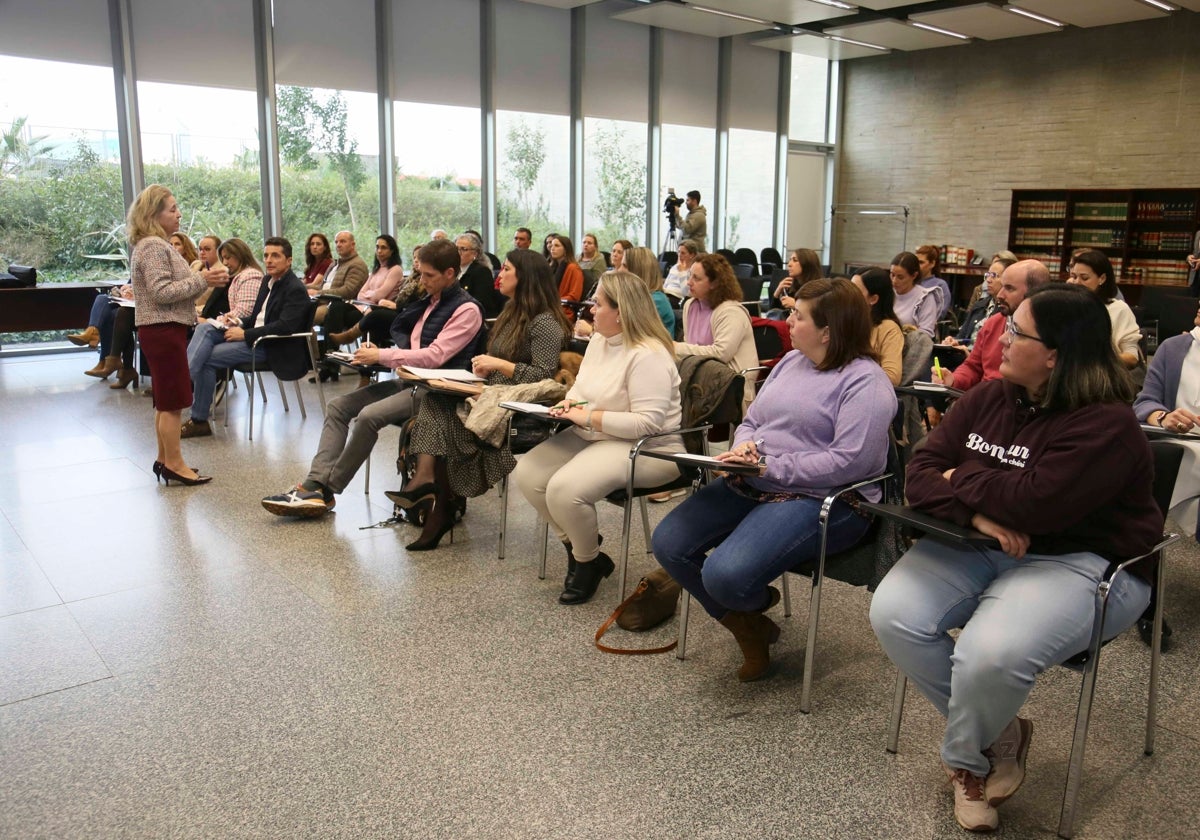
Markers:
1146,233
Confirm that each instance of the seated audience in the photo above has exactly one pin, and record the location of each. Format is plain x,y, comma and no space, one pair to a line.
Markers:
317,259
803,265
1051,463
983,307
675,283
617,254
591,260
915,305
208,251
476,275
887,338
183,245
627,387
281,307
754,528
1170,397
387,274
1092,269
345,276
928,257
243,290
523,238
714,321
450,331
99,331
376,324
983,363
567,275
643,263
523,346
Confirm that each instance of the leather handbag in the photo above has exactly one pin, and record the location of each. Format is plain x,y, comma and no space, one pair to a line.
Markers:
650,604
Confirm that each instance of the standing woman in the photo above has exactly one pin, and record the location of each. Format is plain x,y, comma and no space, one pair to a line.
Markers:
165,287
887,338
1092,270
617,254
915,304
317,259
675,283
714,321
628,387
820,423
523,346
567,274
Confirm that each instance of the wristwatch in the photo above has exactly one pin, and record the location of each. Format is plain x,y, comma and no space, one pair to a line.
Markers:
1158,415
588,423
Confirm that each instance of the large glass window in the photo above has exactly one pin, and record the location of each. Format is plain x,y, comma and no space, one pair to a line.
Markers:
689,121
810,93
60,176
750,186
533,135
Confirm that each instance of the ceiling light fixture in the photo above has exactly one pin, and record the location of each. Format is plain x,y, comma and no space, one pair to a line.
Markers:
1159,4
1017,10
837,4
857,43
939,30
733,15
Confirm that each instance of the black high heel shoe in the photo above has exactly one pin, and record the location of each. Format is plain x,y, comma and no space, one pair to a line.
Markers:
158,465
412,497
431,542
586,580
169,475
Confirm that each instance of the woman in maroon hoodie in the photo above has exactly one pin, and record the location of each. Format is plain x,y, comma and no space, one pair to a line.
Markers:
1050,461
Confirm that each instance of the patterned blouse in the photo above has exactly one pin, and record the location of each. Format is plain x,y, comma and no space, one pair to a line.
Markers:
164,286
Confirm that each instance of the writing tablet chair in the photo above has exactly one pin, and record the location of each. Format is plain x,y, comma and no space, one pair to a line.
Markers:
308,336
863,564
1167,457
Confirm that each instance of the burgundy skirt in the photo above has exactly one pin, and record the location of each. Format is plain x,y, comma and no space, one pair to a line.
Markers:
165,349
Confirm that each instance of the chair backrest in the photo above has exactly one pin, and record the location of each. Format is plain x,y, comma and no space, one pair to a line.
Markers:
918,350
771,340
669,257
770,255
751,288
494,260
1168,455
745,255
744,271
727,254
310,317
607,258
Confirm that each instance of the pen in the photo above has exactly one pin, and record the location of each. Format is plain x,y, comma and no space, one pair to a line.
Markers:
578,404
937,368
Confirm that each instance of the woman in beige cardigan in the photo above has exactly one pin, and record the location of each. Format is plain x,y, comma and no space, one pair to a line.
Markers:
714,321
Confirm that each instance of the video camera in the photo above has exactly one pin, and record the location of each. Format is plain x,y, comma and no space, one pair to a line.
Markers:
671,206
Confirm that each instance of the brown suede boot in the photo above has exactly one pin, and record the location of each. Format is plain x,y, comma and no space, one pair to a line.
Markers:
755,633
126,376
108,366
89,337
352,334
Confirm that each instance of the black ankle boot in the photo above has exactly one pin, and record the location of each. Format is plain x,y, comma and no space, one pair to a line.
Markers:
571,564
587,577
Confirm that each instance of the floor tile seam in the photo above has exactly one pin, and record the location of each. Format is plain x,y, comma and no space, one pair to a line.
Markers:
91,643
111,676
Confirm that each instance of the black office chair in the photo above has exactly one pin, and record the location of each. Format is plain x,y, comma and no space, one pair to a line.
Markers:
747,257
769,256
1167,457
494,260
728,255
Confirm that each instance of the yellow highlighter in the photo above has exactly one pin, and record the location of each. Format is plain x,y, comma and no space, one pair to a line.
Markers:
937,369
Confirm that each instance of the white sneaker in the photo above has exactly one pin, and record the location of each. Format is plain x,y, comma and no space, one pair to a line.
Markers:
971,808
298,502
1007,755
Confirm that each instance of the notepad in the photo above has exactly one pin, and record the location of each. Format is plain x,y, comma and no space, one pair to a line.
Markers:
449,374
527,408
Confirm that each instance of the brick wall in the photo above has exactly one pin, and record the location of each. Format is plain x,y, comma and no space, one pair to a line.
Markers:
952,131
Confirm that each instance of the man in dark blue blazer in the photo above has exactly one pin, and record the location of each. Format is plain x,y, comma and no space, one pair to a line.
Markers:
283,306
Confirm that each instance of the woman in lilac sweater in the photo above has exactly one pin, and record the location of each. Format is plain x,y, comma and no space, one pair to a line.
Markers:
819,422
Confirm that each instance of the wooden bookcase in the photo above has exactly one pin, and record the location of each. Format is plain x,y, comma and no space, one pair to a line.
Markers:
1147,234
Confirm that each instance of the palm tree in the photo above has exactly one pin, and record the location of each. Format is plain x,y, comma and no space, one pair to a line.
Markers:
17,151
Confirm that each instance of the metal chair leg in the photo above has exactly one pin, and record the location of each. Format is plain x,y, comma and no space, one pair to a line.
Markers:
1155,652
545,530
283,395
681,634
787,595
250,408
300,399
646,524
503,516
625,523
893,743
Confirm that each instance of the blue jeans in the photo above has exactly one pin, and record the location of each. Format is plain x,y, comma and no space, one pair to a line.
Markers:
208,354
101,317
1018,618
752,544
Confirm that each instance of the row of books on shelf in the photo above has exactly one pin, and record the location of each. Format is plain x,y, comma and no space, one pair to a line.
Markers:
1165,210
1053,263
956,255
1041,209
1160,272
1108,211
1173,240
1038,236
1097,237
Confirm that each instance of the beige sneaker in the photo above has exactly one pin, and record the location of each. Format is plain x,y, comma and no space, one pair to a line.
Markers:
1007,755
971,808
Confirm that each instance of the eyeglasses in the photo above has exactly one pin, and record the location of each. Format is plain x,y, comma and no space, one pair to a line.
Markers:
990,275
1010,326
463,250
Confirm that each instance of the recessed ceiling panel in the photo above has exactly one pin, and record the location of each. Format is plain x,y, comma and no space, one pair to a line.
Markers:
562,4
1093,12
815,45
893,33
880,4
683,19
1194,5
782,11
984,20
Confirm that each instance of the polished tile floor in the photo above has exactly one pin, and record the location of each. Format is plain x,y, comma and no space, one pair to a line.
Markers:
177,662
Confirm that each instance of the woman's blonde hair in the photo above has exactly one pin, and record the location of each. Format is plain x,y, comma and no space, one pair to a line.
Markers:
643,263
142,220
640,324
